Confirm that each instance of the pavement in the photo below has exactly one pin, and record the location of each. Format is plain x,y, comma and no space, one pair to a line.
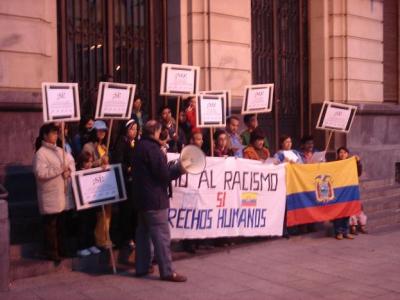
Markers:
304,267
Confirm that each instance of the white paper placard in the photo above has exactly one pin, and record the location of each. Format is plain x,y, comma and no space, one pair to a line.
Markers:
179,80
115,100
98,186
336,116
60,102
258,98
211,111
223,93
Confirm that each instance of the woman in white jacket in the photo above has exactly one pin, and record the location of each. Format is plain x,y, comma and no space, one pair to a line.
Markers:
54,194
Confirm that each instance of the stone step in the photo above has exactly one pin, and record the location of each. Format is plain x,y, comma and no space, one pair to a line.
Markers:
30,267
378,204
383,218
380,192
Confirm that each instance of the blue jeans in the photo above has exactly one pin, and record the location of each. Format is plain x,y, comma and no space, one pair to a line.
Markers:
341,225
153,227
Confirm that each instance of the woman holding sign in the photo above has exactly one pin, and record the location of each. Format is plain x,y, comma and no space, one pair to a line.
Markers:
51,172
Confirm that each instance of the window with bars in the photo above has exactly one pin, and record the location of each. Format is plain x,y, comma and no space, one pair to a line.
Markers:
280,56
111,40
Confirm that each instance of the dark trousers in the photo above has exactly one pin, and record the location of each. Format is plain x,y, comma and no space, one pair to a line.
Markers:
153,227
86,225
341,225
128,217
54,234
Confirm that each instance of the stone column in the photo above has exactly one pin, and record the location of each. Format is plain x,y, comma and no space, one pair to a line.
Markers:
216,35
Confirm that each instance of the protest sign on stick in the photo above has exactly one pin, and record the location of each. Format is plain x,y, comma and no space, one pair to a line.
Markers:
258,98
179,81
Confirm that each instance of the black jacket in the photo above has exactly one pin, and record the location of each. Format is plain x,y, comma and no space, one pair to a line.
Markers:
151,175
123,154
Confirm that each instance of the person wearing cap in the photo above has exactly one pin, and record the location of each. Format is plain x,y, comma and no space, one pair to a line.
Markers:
123,154
98,149
256,150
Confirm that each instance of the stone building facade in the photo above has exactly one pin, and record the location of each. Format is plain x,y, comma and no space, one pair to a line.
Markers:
313,50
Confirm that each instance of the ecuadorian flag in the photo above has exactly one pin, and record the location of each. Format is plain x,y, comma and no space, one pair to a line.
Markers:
322,192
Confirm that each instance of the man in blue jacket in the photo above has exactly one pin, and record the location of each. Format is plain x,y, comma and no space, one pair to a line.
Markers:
151,179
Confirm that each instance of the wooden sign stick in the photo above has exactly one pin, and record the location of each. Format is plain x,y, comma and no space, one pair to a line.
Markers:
329,140
108,238
178,104
63,155
109,136
212,141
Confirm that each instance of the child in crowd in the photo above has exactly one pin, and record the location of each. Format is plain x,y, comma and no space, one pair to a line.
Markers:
357,221
86,217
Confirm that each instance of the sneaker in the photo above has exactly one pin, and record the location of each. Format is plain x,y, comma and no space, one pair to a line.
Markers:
339,236
94,250
174,277
83,253
349,236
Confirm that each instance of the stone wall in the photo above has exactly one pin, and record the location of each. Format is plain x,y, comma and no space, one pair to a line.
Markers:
217,37
28,56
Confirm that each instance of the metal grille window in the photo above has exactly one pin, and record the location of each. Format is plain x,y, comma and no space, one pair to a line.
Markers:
280,56
119,40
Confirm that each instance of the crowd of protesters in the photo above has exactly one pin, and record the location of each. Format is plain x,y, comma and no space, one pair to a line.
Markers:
135,149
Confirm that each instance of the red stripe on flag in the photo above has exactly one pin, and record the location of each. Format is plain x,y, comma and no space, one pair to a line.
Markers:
323,213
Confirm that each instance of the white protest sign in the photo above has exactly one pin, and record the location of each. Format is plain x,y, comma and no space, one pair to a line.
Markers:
223,93
115,100
98,186
211,111
60,102
179,80
336,116
231,197
258,98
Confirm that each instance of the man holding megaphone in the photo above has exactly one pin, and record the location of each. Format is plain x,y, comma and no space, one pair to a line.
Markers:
152,176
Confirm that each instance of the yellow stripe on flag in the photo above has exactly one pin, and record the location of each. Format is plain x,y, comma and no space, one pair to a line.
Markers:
343,173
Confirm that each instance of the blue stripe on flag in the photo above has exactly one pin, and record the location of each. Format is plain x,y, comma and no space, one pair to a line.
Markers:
309,199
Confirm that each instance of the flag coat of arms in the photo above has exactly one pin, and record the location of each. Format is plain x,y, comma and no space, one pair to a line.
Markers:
322,192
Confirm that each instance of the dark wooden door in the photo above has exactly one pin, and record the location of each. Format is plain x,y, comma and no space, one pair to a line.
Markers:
280,56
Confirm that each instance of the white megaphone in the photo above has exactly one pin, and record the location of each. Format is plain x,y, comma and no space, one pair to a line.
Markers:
192,159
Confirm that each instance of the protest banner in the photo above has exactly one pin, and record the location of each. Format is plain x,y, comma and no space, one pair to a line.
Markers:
322,192
231,197
115,100
258,98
